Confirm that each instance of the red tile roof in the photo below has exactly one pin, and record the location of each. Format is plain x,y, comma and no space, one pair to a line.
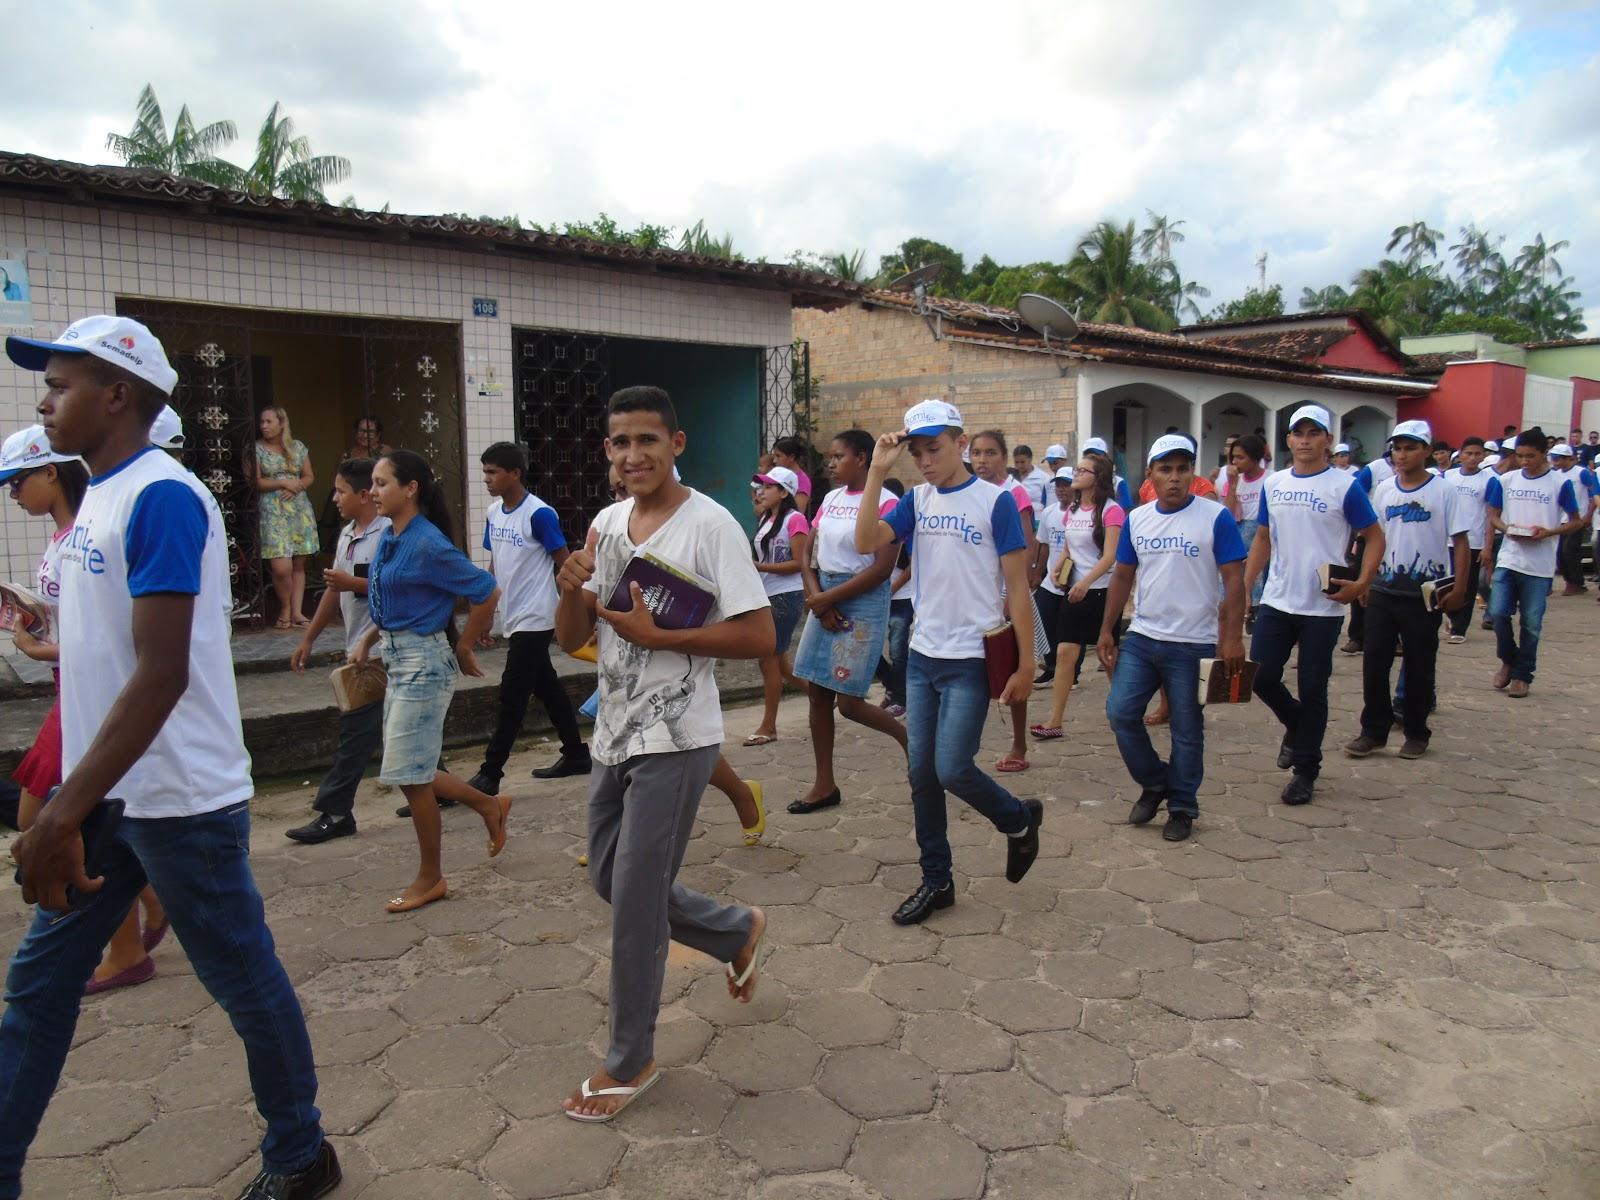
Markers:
1285,343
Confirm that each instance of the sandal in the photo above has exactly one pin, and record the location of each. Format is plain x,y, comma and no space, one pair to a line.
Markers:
628,1094
752,833
1012,764
801,807
400,904
497,844
750,968
1045,733
760,739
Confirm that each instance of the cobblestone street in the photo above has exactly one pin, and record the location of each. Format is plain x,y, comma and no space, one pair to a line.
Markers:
1393,992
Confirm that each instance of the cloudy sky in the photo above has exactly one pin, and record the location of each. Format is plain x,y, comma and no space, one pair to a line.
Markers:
1307,131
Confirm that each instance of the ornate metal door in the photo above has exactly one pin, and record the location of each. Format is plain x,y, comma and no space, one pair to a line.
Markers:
786,393
562,382
414,388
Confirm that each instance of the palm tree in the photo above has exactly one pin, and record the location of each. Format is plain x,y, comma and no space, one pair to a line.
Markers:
1538,259
188,152
1398,296
1119,289
1477,257
1157,239
850,266
284,165
1421,240
1323,299
697,239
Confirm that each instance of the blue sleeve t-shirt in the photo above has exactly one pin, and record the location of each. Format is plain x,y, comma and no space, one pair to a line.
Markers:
1177,553
165,538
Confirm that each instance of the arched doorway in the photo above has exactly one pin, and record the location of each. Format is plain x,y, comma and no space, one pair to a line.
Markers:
1132,415
1228,415
1366,430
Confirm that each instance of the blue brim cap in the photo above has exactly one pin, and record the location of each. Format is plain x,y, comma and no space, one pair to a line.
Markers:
33,354
926,431
8,476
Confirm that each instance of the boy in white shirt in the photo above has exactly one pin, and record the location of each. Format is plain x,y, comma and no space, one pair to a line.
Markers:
966,540
526,548
1471,483
1425,536
1031,477
1051,546
1175,547
1532,506
1569,554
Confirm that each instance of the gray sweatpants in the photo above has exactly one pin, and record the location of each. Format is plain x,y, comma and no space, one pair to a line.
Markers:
641,814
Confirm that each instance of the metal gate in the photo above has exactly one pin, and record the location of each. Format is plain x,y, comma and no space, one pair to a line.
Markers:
562,383
786,394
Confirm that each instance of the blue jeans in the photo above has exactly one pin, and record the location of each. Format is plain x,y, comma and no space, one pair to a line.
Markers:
1512,591
1304,718
200,868
947,700
1143,666
897,646
1247,534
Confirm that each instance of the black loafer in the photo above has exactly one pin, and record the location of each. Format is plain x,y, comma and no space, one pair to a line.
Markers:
1285,755
320,1178
922,902
1178,827
566,765
801,807
1021,851
1146,807
405,809
1298,790
486,782
323,829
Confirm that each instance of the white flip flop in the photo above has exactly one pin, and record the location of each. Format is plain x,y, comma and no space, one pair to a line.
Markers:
629,1095
751,967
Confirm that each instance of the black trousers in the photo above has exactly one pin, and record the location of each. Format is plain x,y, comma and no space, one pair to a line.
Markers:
360,737
1304,719
1358,613
1398,626
1462,617
530,673
1049,611
1572,547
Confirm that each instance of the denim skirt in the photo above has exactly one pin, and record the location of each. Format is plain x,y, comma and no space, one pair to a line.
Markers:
787,609
846,661
422,678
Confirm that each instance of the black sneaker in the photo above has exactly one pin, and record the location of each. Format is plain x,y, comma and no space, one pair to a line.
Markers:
1413,748
487,782
922,903
1044,678
323,829
1021,851
1178,827
320,1178
1285,755
405,809
567,764
1298,790
1146,807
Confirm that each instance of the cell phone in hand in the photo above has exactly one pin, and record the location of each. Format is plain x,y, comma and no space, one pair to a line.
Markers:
361,569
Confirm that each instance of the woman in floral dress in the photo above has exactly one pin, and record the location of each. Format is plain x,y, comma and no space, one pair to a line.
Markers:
288,525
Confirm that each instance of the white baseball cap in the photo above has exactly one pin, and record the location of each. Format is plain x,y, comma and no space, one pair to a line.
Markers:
1065,474
1342,448
1314,413
27,449
1055,450
1561,450
932,417
1171,443
1417,431
1491,445
1492,461
117,340
778,477
167,429
1097,446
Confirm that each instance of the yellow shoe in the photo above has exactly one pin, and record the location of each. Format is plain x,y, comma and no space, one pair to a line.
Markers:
752,835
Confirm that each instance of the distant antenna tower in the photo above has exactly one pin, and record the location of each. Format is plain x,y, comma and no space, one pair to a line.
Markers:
916,282
1261,271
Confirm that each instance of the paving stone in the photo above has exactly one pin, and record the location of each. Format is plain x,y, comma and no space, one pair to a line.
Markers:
1375,890
85,1120
1293,878
1194,860
1330,1118
820,1186
1402,958
1575,1018
126,1055
1002,1110
954,1043
554,965
919,1159
65,1179
532,1083
454,1056
770,1059
1253,1048
1131,1134
553,1156
1198,921
373,943
1137,1026
1146,948
872,1082
1100,908
452,1000
1198,1092
545,1017
1338,913
1248,1155
990,956
1465,1142
1151,884
540,925
1198,995
919,987
188,1149
817,968
1502,972
1050,1171
1072,1063
1440,853
207,1075
1244,897
883,941
694,1170
839,1019
1189,1185
791,1131
353,1035
1544,946
1026,1007
433,1182
166,999
1470,1004
1529,866
436,1128
1531,1103
1374,1072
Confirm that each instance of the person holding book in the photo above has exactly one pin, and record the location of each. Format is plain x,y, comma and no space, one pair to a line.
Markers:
1471,483
1531,506
782,545
1175,549
969,575
417,574
345,595
526,548
1048,552
150,727
1425,550
1308,513
847,596
1094,525
657,737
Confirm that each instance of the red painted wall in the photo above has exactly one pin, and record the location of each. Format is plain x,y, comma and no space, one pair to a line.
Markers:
1479,398
1582,389
1361,352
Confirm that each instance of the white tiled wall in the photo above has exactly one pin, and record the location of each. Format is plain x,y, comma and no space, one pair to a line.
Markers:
80,259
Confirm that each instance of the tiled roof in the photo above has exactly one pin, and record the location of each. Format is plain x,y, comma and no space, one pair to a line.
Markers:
1561,343
1285,343
1320,319
1434,364
148,189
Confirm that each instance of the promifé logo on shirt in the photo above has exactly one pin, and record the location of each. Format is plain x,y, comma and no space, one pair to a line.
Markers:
1304,498
845,506
506,534
1537,495
81,551
1165,543
949,525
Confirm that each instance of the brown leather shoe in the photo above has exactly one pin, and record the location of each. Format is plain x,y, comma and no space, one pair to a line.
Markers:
1502,677
1518,689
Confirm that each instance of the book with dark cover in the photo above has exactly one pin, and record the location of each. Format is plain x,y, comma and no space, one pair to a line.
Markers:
675,596
1001,657
1221,685
1434,592
1331,575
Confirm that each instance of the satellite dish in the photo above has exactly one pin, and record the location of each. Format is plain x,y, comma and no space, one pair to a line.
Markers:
1049,317
916,282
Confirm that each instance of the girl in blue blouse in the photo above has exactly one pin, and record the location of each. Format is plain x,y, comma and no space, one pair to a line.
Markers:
417,573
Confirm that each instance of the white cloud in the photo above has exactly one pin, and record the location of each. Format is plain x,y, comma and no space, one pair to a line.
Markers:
1308,132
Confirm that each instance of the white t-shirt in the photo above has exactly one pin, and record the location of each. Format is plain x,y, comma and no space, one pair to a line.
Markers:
49,582
520,545
1052,533
957,536
147,527
1080,541
1471,491
1417,527
780,550
835,530
658,701
1176,597
1311,519
353,550
1038,484
1546,500
1249,494
1374,473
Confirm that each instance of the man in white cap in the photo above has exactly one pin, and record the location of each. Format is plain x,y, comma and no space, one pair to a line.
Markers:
166,431
1341,459
1309,513
1031,477
1471,483
1569,555
1425,543
150,717
1055,457
969,577
1176,548
1125,496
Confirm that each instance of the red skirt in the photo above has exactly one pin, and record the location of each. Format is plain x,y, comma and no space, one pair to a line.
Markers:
40,768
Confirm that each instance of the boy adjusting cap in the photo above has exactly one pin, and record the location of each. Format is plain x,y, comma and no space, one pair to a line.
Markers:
26,449
779,477
117,340
932,417
1314,413
1170,443
1417,431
